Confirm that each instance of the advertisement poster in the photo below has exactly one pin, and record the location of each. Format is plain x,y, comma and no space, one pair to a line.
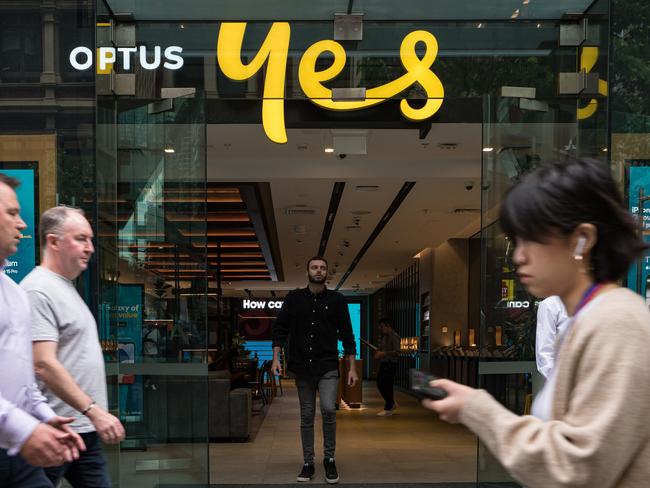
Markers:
24,260
128,316
638,190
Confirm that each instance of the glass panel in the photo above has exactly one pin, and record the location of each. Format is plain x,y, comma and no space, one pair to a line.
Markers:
153,264
516,139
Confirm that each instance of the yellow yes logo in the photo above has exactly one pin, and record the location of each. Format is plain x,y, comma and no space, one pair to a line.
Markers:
274,52
588,59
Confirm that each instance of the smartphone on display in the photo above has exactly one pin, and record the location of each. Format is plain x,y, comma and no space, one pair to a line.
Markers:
420,385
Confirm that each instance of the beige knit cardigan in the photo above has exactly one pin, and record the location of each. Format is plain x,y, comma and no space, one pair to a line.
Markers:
599,432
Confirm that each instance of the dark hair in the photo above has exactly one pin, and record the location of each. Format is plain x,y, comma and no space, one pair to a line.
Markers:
386,321
12,183
556,198
317,258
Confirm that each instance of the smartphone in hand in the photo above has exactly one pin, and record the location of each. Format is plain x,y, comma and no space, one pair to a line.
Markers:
420,385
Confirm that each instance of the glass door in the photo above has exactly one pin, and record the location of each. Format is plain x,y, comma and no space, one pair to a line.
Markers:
154,273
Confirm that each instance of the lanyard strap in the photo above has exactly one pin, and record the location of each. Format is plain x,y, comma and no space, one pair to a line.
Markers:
588,296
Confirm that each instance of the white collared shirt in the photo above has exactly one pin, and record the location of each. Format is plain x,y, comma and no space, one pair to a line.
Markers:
552,320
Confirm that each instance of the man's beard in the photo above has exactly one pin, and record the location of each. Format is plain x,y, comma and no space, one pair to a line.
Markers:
317,280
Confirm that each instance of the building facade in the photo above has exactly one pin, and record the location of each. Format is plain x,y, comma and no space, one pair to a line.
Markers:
192,133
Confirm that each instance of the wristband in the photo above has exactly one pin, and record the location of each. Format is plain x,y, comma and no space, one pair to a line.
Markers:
88,408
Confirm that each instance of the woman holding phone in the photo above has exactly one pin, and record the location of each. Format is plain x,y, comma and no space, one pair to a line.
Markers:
589,426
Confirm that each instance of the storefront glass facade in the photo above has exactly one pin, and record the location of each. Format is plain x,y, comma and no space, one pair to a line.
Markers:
175,160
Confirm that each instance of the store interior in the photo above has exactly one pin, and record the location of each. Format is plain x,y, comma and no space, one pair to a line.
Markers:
397,215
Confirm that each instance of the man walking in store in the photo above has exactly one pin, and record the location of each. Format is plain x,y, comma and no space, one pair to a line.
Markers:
312,321
67,354
387,355
31,434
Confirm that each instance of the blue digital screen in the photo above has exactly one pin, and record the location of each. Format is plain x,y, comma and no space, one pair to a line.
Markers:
639,184
355,317
21,263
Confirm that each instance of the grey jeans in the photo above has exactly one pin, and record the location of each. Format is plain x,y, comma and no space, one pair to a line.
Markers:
327,387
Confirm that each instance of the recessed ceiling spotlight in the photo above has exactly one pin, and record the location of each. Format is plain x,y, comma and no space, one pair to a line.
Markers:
329,149
515,14
488,149
170,150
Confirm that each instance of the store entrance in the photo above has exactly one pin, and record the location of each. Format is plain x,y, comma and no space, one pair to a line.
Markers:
396,213
204,224
215,224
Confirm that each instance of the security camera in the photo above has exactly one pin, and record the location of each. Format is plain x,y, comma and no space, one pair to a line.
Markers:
469,185
342,156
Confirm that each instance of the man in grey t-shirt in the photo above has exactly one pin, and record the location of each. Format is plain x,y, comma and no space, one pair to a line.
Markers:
67,354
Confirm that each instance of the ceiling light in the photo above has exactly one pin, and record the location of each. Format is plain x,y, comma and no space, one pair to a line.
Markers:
604,149
170,150
480,25
488,149
329,149
526,2
515,14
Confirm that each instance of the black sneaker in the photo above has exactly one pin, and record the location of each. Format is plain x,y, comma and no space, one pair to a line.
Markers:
331,475
307,472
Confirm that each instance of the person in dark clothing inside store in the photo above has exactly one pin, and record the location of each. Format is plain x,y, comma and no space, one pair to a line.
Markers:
311,322
387,355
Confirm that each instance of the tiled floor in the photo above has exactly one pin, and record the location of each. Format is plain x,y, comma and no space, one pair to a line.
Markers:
412,446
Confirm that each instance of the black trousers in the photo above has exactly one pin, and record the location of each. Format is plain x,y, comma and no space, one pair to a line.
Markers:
385,380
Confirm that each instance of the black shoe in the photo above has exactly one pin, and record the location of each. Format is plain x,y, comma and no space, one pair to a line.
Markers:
331,475
307,472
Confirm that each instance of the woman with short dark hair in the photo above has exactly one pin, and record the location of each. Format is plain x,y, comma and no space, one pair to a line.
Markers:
573,239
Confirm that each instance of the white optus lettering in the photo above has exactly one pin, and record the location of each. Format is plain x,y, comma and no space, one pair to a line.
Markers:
174,60
126,56
106,57
74,55
81,58
143,58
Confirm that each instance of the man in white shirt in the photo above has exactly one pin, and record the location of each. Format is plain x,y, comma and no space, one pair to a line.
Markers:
31,434
552,319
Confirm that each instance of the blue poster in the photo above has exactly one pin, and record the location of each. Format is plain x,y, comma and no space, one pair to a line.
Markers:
639,202
127,314
24,260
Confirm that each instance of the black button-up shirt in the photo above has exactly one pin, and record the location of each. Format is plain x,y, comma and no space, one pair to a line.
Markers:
311,325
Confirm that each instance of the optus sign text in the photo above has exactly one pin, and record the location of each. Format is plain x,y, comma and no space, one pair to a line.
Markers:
272,56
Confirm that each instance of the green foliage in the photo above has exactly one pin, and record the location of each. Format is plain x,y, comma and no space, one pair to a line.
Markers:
630,76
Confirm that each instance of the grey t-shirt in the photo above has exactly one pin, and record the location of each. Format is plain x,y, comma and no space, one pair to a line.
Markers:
59,314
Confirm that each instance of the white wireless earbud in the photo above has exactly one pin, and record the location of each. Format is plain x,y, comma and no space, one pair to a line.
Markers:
580,248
